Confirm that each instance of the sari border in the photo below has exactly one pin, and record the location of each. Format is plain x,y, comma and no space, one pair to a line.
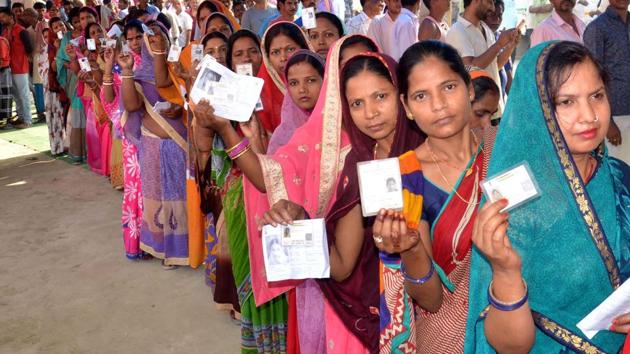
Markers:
274,179
331,133
572,175
564,336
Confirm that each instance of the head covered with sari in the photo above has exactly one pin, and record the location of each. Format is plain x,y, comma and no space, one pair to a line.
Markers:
574,241
305,170
274,88
217,6
357,297
292,116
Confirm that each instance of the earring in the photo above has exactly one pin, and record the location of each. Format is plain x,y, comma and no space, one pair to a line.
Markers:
409,116
596,118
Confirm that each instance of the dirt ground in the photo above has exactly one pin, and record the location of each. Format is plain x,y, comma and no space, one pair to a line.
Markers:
65,284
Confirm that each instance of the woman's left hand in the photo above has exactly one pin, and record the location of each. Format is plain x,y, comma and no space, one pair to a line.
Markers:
621,324
158,42
391,234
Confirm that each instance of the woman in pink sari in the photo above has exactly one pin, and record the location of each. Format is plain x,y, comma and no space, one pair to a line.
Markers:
97,130
110,96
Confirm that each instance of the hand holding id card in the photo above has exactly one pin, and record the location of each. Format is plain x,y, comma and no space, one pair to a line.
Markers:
380,186
296,251
517,185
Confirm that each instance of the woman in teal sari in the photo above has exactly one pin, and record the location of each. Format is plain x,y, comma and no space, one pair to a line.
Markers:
539,270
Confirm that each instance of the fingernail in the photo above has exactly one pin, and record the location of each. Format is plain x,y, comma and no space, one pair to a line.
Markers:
612,327
615,321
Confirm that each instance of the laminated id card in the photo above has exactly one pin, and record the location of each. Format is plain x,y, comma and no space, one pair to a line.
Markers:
197,52
110,43
245,69
84,64
60,34
125,49
380,185
173,54
91,44
517,185
308,18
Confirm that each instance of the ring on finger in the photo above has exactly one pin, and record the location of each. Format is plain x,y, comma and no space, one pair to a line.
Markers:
377,239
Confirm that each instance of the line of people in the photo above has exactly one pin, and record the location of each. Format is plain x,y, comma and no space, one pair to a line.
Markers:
450,272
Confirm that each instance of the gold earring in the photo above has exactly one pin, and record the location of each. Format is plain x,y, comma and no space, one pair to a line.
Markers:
409,116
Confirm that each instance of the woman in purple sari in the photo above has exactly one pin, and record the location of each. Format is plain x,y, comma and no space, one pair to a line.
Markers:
160,136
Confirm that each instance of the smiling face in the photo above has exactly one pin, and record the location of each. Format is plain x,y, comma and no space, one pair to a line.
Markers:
304,84
582,109
323,36
280,50
245,51
438,98
373,104
217,48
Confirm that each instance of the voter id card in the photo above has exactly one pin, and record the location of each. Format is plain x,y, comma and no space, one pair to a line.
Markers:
380,185
84,64
197,52
308,18
174,52
516,184
300,233
91,44
245,69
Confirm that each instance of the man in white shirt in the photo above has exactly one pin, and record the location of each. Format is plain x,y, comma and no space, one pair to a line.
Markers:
185,22
360,23
406,28
475,41
123,9
382,27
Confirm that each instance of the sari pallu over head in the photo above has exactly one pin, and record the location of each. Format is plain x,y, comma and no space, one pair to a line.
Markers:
305,170
356,300
274,88
573,240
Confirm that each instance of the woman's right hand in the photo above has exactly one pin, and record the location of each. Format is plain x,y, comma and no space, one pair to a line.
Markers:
125,61
490,237
204,114
109,55
282,213
391,234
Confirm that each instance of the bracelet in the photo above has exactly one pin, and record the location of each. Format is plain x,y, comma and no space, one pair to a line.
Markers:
417,281
238,147
107,83
127,77
159,53
507,306
242,152
108,77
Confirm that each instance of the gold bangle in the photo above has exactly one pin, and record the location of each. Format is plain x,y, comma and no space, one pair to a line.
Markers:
107,83
249,147
233,147
159,53
127,76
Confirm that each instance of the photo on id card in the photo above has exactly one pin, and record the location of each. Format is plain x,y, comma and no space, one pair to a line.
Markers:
380,185
516,184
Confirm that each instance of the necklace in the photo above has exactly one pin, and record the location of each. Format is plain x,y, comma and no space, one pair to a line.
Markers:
469,171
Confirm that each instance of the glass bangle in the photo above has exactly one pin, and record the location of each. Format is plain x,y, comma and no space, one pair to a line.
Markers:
507,306
417,281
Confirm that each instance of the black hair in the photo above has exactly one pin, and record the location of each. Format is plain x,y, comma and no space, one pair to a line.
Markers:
408,3
467,3
67,2
213,35
332,18
87,29
135,14
354,40
16,4
53,20
244,33
561,60
206,5
6,11
427,3
89,10
49,5
222,17
306,58
362,2
499,3
73,13
135,24
484,85
39,6
421,51
357,65
288,29
281,2
162,18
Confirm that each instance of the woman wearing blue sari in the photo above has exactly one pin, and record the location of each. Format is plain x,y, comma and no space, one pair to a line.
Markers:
539,270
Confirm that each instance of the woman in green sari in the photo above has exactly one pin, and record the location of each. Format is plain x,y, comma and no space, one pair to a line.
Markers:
537,271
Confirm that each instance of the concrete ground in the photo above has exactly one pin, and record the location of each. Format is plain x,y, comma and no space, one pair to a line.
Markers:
65,284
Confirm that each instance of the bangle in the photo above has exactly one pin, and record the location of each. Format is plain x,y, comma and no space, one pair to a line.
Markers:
417,281
507,306
242,153
107,83
238,147
241,147
126,76
108,77
159,53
